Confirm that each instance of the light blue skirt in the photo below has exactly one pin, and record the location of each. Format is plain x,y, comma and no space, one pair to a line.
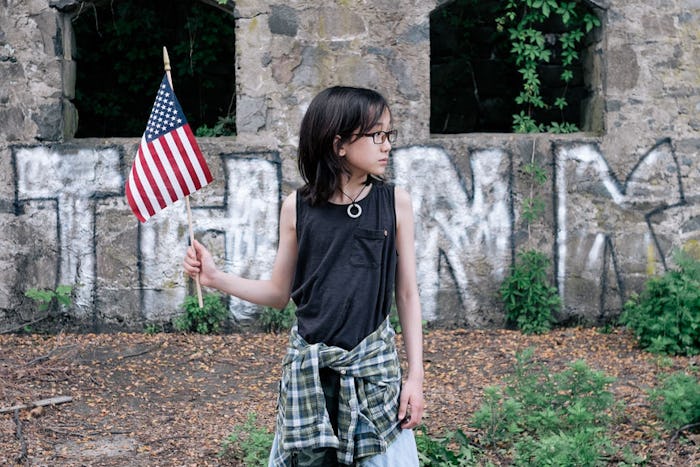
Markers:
402,452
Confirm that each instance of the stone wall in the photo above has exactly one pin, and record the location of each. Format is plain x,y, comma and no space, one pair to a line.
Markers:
620,200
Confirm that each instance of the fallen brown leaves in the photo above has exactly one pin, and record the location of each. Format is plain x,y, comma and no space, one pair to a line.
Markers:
171,399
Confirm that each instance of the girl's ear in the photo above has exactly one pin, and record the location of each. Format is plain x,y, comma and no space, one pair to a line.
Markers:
339,148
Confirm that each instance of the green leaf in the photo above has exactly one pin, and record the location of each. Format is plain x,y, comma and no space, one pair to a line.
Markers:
204,320
560,103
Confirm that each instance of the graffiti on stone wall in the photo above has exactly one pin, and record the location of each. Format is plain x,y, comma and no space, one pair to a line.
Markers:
241,230
607,232
461,232
614,238
240,226
72,180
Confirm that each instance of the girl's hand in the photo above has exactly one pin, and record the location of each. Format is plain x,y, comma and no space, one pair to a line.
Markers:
198,260
411,404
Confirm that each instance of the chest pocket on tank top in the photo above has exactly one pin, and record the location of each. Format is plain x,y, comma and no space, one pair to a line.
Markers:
367,245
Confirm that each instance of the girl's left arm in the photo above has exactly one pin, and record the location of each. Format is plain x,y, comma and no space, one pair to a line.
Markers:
408,306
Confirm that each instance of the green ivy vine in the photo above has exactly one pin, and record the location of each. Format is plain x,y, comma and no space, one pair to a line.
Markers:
523,21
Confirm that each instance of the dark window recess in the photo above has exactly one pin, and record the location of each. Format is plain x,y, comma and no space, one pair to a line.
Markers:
473,77
120,63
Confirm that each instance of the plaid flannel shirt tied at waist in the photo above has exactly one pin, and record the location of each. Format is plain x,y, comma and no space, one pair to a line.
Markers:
370,383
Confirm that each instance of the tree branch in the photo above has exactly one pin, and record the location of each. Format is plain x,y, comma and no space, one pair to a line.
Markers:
689,426
41,403
22,442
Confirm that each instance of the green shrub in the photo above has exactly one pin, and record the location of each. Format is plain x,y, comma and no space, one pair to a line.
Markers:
549,419
528,297
247,443
225,126
205,320
578,447
498,416
152,328
677,401
665,317
451,450
47,298
276,320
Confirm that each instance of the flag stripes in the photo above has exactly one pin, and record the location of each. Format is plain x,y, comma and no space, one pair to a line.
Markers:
169,164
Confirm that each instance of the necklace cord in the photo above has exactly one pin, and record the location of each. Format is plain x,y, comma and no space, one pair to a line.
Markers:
353,201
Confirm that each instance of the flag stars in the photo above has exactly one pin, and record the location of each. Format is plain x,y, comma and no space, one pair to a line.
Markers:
165,114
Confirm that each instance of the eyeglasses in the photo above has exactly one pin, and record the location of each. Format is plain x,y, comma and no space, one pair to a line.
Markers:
378,137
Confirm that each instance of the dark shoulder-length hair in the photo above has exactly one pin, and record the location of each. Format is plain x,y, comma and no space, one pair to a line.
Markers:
337,111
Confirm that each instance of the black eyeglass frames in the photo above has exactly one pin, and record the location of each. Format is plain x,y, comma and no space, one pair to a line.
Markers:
378,137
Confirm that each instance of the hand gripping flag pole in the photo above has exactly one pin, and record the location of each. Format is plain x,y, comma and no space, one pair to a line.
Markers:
169,166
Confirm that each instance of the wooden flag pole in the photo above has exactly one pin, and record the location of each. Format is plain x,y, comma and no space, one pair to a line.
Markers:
166,63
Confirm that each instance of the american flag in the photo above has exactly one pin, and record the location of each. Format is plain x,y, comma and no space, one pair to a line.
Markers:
169,164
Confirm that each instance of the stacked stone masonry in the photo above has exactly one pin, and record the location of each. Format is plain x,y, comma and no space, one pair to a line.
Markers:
620,199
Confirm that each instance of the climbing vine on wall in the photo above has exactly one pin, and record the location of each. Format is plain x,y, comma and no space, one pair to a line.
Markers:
524,21
509,65
529,299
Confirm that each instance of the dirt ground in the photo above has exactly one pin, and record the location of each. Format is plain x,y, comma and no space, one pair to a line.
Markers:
171,399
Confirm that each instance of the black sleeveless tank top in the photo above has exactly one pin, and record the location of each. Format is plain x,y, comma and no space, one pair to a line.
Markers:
346,268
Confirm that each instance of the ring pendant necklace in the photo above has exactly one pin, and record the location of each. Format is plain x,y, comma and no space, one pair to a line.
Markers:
354,210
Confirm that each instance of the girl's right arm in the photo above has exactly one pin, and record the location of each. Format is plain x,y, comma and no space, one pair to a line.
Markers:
274,292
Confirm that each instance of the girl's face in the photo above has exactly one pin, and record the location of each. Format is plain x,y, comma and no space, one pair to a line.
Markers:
363,156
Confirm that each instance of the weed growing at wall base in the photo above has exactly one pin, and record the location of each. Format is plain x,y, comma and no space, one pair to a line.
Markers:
47,298
205,320
50,303
275,320
528,298
665,317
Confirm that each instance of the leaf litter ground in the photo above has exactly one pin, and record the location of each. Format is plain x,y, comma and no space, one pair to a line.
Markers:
171,399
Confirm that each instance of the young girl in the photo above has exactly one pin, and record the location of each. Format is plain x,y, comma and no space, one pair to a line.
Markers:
346,248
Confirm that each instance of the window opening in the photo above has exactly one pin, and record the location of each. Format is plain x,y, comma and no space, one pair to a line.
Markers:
119,55
475,82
